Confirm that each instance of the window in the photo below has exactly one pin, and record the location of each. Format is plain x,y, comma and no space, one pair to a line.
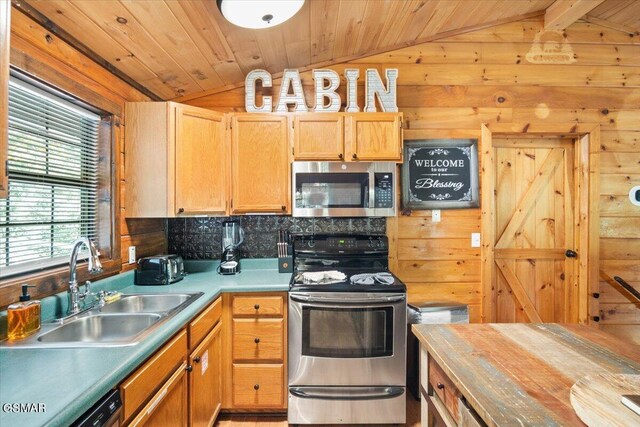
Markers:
53,179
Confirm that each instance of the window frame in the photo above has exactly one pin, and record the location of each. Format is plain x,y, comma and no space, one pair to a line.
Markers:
54,279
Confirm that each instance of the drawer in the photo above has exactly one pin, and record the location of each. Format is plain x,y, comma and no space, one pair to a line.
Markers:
149,377
257,306
258,386
467,416
444,388
258,339
201,325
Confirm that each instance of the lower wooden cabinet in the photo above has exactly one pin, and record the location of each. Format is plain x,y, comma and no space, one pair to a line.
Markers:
149,377
255,352
168,407
258,386
205,380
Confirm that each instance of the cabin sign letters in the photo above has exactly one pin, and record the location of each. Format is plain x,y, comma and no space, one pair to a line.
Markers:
326,83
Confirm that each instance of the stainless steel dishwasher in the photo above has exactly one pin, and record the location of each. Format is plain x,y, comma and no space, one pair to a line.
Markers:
105,413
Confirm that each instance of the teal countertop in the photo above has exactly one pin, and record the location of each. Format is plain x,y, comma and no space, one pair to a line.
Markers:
68,381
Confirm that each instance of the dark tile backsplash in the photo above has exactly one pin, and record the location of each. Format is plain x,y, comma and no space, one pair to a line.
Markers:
200,238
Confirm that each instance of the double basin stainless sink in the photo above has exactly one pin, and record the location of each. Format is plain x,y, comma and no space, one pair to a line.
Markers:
126,321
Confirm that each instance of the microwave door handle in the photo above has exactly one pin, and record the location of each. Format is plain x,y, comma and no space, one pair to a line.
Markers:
346,394
350,301
372,191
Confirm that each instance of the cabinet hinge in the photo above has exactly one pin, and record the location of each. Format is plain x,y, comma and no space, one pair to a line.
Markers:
293,151
293,125
400,124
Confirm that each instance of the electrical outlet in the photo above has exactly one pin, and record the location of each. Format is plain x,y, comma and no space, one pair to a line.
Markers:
475,240
435,215
132,254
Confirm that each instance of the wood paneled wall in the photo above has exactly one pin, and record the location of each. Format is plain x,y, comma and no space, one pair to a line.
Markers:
449,87
42,54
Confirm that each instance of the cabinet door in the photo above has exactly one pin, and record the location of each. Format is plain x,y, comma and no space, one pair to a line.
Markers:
205,385
318,136
260,164
201,162
5,30
169,405
374,136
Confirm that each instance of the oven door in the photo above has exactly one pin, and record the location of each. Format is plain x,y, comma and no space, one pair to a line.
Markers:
348,339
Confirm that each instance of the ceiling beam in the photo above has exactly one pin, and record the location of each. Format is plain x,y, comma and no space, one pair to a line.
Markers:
563,13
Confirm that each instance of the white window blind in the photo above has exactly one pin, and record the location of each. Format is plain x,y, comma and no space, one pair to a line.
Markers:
53,179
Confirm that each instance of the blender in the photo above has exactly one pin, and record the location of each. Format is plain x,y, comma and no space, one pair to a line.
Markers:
232,238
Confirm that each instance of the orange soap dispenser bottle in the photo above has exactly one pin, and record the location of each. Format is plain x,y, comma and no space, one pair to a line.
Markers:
23,318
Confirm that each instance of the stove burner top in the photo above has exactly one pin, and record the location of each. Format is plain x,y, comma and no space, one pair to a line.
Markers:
372,279
320,277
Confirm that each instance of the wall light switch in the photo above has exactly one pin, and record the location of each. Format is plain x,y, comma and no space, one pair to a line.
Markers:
132,254
435,215
475,240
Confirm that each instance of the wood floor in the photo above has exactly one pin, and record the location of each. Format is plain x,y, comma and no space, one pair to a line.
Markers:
226,420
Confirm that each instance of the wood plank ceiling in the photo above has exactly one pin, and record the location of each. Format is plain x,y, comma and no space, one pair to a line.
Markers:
179,48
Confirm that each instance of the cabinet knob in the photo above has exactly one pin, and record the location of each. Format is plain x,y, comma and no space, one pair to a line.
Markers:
571,254
256,387
189,368
257,341
257,306
180,210
196,359
354,156
340,156
284,208
440,386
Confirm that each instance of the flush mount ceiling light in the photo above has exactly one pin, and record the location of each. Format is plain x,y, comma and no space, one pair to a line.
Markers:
258,13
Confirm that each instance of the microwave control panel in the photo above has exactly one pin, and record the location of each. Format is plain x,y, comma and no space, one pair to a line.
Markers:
383,193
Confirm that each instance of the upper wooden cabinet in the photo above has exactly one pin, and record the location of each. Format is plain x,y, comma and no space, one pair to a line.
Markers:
260,163
318,136
176,161
374,136
5,30
347,136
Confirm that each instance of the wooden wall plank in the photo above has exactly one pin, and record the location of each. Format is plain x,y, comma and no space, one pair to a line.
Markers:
445,271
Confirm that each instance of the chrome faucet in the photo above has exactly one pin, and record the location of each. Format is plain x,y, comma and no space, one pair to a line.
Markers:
94,267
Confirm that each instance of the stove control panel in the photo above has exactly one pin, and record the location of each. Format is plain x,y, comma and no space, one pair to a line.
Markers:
341,244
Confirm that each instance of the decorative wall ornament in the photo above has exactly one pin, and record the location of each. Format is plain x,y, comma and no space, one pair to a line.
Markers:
291,79
250,91
440,174
550,47
373,88
352,75
322,91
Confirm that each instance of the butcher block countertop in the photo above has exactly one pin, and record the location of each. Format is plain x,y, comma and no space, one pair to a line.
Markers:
522,374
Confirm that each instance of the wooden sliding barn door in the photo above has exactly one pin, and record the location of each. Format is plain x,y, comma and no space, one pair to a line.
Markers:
535,274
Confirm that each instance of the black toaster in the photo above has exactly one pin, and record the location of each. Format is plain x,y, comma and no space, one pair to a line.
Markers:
159,270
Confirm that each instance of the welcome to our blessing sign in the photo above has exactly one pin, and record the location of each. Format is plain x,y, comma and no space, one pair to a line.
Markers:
440,174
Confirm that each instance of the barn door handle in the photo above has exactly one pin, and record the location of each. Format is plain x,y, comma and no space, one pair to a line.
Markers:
571,254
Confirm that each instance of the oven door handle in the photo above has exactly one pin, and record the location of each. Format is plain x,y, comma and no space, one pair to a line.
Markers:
350,301
342,393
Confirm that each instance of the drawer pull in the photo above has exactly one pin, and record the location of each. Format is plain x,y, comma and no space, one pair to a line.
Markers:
440,386
256,387
196,359
257,341
257,306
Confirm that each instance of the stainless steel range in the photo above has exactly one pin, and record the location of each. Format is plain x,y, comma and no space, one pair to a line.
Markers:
347,333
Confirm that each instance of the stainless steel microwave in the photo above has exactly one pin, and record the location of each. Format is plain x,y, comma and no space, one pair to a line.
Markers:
354,189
